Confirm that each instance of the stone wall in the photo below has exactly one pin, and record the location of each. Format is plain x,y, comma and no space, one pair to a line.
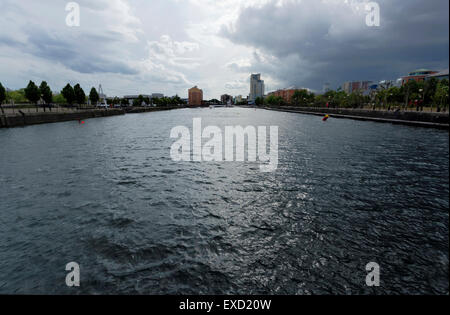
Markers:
26,119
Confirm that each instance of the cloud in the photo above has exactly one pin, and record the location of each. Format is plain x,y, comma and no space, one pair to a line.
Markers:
140,47
329,41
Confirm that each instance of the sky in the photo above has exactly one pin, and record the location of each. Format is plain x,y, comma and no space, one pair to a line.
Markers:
169,46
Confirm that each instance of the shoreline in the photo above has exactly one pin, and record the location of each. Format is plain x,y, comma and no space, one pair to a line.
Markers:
22,119
416,119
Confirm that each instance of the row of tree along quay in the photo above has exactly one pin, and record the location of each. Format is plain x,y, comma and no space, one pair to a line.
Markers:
431,96
74,97
42,95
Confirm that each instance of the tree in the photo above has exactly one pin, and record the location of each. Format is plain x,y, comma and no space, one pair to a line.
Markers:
430,90
93,96
259,101
177,100
80,96
46,92
59,99
68,94
116,101
32,93
2,94
411,88
138,102
16,96
302,98
273,100
124,102
441,98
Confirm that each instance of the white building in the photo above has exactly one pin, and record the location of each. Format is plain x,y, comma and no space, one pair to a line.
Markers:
256,87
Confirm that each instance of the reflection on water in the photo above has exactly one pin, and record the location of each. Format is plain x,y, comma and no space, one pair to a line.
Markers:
107,195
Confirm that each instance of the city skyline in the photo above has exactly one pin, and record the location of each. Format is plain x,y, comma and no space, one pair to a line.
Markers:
129,50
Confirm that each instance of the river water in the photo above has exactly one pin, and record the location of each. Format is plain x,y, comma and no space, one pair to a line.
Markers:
107,195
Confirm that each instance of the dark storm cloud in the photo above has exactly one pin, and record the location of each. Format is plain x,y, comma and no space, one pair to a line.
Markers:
326,42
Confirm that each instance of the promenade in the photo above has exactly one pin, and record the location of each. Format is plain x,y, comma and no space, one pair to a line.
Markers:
411,118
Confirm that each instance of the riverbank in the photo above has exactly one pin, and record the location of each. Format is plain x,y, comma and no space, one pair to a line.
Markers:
137,110
418,119
21,118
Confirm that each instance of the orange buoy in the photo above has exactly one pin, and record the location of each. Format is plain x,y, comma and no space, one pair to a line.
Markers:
325,118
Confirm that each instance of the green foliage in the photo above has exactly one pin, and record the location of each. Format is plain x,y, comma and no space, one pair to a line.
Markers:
124,102
116,101
68,94
441,97
80,96
32,92
394,95
302,98
138,102
16,97
93,96
273,100
259,101
176,100
46,92
59,99
430,90
2,94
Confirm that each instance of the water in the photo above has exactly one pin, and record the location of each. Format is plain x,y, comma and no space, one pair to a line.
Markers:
107,195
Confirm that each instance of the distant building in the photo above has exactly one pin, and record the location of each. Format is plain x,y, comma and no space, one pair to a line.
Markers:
256,87
224,99
286,94
131,98
441,75
195,96
238,99
157,95
347,87
418,75
361,86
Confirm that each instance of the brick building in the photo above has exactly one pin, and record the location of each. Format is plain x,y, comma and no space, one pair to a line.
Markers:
195,96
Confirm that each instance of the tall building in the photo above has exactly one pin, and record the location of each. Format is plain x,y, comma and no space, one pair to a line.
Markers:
256,87
195,96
